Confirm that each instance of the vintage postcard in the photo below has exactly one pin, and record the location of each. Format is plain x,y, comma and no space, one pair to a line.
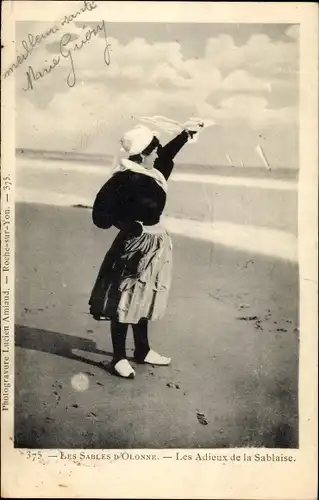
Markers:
159,173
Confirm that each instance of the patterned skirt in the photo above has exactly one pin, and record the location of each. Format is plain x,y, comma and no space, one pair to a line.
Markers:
135,277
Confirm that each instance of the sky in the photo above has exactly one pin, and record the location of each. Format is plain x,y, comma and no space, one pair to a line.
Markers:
243,76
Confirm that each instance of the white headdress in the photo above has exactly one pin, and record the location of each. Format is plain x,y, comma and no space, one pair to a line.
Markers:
137,139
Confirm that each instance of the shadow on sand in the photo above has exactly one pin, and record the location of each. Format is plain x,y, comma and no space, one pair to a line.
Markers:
59,344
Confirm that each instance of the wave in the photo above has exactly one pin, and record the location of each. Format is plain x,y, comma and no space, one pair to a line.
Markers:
87,159
256,239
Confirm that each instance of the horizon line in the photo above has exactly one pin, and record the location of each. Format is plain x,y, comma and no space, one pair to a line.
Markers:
69,154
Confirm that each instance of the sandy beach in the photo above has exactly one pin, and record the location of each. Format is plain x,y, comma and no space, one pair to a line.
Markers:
231,329
229,91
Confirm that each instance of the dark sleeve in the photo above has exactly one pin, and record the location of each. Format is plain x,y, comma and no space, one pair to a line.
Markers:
112,205
164,163
106,203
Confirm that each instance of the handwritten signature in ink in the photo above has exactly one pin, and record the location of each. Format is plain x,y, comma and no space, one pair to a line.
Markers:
33,41
66,52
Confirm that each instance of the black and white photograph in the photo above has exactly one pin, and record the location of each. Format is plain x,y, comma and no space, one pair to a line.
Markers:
159,254
156,226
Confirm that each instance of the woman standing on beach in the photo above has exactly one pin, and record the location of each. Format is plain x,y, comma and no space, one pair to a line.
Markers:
133,283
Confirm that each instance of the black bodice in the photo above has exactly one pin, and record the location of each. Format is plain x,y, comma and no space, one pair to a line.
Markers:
129,196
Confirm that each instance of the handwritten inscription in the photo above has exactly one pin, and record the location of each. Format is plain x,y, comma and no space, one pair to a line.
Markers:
66,52
35,40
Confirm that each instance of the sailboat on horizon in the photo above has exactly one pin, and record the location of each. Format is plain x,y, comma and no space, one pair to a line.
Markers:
259,150
230,161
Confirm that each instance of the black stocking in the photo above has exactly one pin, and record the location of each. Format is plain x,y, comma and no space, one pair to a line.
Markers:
118,333
140,332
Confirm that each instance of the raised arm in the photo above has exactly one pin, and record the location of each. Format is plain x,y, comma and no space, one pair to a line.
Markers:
164,163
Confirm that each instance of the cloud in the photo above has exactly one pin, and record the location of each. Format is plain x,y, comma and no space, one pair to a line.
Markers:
255,110
254,85
241,80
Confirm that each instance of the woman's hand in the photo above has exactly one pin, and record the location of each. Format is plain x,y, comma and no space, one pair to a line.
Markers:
191,133
192,127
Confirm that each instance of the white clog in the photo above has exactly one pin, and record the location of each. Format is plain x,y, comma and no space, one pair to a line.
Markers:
124,369
153,358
